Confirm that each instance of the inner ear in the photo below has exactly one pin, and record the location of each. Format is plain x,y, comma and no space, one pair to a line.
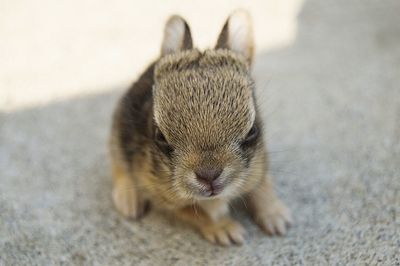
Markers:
237,35
177,36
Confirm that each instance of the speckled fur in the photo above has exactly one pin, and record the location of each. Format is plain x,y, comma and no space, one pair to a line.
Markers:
204,105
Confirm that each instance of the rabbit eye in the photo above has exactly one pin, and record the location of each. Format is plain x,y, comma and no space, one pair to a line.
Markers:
160,136
251,136
162,142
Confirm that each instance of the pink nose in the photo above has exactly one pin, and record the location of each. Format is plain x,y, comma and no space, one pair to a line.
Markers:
208,175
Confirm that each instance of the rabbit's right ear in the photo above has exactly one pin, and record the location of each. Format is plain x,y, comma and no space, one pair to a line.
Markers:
177,36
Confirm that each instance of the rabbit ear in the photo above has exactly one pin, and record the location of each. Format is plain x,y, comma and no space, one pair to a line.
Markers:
237,34
177,36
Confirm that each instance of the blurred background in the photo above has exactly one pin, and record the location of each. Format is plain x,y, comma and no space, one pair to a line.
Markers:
328,83
93,45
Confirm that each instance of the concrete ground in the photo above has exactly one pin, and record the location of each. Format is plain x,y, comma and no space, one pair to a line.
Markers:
328,75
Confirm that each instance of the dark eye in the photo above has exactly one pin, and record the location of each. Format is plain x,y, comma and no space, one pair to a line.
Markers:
159,136
162,142
251,136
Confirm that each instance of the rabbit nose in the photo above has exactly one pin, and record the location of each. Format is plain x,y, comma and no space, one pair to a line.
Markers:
208,174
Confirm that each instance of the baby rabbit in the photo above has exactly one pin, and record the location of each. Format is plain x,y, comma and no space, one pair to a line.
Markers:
187,137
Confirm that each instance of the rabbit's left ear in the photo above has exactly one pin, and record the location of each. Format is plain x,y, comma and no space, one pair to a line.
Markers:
237,35
177,36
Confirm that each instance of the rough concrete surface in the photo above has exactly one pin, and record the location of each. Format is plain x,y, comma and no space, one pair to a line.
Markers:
328,75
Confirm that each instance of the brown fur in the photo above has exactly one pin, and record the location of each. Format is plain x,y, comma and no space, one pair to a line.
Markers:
192,110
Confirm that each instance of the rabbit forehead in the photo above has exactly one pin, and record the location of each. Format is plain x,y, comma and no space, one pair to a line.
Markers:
194,59
207,102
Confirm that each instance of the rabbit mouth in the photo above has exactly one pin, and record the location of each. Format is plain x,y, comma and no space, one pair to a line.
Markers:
204,190
211,189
